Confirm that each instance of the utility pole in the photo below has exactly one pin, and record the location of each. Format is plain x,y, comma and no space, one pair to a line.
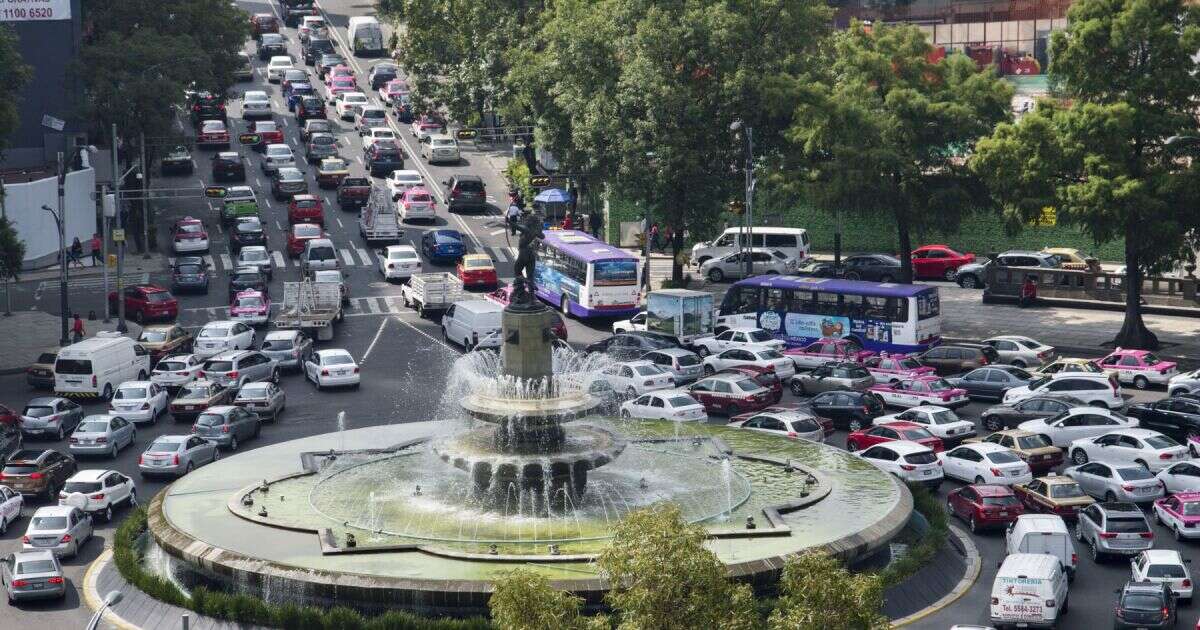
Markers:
145,199
61,219
105,220
747,259
121,327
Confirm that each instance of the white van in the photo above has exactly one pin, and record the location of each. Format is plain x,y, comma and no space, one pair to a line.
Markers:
1030,591
473,323
1043,533
319,254
96,366
791,241
365,35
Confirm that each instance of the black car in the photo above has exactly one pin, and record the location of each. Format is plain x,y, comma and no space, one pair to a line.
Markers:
206,106
178,162
189,273
247,231
992,381
315,49
817,269
315,126
328,61
1177,416
1145,605
294,11
466,192
382,73
310,107
272,45
246,279
872,267
1008,416
848,410
383,157
629,346
228,166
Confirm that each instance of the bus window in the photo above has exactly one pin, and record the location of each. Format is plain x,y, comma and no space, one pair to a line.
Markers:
776,301
740,300
928,305
827,303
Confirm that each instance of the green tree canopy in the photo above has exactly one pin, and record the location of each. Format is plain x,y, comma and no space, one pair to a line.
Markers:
525,600
16,75
819,593
881,128
1103,158
12,251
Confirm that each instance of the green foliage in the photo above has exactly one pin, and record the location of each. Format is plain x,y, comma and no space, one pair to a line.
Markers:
696,594
819,593
524,600
12,251
16,75
1103,160
518,173
919,555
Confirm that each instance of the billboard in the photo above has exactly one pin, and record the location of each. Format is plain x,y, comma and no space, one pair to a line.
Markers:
34,10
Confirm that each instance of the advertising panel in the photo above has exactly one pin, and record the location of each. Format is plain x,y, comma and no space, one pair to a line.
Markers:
34,10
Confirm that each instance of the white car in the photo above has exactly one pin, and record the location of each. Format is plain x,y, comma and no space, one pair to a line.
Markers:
1149,449
939,421
176,370
256,257
239,193
219,336
1184,383
1021,351
790,424
139,401
332,368
767,358
397,262
377,133
256,104
637,322
1181,477
276,67
400,181
665,405
440,148
634,378
277,156
909,461
984,462
1099,390
98,491
736,338
348,104
1164,566
11,503
1078,423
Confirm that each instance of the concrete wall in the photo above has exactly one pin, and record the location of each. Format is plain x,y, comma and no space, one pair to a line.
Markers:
23,206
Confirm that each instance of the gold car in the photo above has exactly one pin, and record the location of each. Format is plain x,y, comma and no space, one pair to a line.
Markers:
1053,494
1033,449
1070,257
331,172
1063,365
40,373
164,340
196,397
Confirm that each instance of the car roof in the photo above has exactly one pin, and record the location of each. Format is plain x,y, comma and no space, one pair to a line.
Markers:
39,554
91,474
220,323
404,248
636,363
1163,556
42,401
468,178
1051,480
905,447
1129,351
132,384
986,447
447,233
333,351
1134,432
54,510
28,455
992,490
672,351
220,409
282,334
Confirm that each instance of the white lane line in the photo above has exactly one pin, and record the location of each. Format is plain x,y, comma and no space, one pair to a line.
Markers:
280,261
347,257
371,305
225,260
500,254
365,256
360,160
257,181
497,232
374,341
278,225
267,200
339,222
208,260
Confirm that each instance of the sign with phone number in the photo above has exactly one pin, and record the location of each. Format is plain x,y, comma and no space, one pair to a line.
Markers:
34,10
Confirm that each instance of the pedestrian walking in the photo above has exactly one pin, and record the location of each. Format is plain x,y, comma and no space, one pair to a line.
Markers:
97,245
76,254
668,236
77,329
655,243
512,216
596,221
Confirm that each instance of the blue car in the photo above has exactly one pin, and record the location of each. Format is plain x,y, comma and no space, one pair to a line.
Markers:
443,245
190,274
295,92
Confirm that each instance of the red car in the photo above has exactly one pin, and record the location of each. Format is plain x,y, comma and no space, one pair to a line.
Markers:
145,302
938,261
985,505
268,132
477,270
826,423
764,376
306,209
890,432
300,234
263,23
212,133
730,394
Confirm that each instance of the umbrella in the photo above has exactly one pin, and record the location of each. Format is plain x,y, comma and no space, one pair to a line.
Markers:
553,195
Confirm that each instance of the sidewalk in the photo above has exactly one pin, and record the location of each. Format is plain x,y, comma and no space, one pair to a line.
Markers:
134,263
30,333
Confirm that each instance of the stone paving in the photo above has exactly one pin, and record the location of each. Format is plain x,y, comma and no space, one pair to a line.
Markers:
27,334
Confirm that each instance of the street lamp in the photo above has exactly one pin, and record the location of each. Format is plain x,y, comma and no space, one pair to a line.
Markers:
748,219
110,600
62,267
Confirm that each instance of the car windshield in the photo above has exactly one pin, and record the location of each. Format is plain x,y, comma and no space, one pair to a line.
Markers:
908,364
213,333
254,390
477,263
1149,603
418,197
277,344
939,385
647,370
189,270
336,359
193,393
681,401
82,486
323,252
1191,508
45,523
38,411
355,98
1003,457
1174,571
131,392
210,419
915,434
943,416
1160,441
769,354
401,254
158,296
163,446
245,278
250,302
747,385
442,142
27,567
153,336
1150,358
1007,501
92,426
218,366
1127,525
253,255
170,366
1134,473
1066,491
1032,442
324,139
1037,384
191,228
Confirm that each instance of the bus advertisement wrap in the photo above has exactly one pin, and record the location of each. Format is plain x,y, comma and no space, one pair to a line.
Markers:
799,327
548,279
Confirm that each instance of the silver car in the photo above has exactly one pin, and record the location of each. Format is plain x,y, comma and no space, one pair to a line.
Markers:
762,261
266,400
286,347
176,455
30,575
102,435
1184,383
684,365
227,426
1113,528
1021,351
61,529
258,257
832,376
235,368
1109,482
50,416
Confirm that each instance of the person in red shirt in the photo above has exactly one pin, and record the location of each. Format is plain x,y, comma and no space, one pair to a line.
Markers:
567,223
1028,292
77,328
96,246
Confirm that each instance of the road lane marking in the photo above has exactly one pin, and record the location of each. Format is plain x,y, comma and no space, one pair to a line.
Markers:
208,260
280,262
225,260
497,232
347,257
365,256
374,341
339,222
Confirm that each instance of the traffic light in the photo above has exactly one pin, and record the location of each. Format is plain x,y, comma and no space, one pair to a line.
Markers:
737,206
466,134
539,181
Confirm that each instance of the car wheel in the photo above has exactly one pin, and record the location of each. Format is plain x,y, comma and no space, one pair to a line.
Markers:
855,424
190,468
112,451
852,446
61,433
979,479
885,278
107,394
108,515
968,281
1095,549
1099,403
275,376
131,500
715,275
233,443
1141,382
702,351
853,275
797,387
949,274
1018,363
3,526
1079,457
1110,496
992,423
708,371
139,317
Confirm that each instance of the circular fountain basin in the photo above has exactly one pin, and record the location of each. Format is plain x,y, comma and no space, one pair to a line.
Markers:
435,552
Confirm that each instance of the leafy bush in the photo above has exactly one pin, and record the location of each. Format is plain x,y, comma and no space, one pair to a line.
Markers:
518,173
920,554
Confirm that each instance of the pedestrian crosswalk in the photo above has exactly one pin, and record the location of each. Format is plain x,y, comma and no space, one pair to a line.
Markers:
93,282
349,257
378,305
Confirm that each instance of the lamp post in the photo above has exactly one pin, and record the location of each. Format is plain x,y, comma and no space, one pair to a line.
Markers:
748,219
110,600
62,266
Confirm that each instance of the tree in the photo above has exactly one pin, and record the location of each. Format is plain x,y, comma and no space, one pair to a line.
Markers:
695,594
16,75
1104,159
12,255
524,600
883,123
819,593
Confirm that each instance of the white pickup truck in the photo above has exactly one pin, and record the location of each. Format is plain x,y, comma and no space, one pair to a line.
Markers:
312,306
427,292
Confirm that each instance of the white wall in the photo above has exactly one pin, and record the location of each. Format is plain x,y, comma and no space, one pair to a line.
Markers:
23,206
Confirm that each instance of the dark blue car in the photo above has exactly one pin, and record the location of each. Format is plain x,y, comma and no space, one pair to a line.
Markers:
443,245
190,273
296,91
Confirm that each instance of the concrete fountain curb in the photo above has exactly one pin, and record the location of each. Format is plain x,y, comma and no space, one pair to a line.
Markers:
974,567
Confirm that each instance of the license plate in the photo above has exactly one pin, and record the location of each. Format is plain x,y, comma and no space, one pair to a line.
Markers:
1002,514
927,473
85,441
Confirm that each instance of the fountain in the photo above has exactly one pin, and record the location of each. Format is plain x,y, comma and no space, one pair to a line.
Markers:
524,474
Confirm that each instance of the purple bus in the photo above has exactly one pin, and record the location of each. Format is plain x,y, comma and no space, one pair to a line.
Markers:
877,316
586,277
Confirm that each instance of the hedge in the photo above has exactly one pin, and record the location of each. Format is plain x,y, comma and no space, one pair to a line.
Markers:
931,542
241,608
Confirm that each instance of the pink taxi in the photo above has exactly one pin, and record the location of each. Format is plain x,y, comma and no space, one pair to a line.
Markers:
393,89
338,72
342,84
889,368
417,203
250,307
819,353
1139,367
921,390
1180,513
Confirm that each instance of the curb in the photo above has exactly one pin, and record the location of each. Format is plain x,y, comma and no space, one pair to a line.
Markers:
92,597
974,566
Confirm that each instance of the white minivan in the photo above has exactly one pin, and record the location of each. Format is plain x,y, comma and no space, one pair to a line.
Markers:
793,242
319,255
1030,591
96,366
1043,533
473,323
365,35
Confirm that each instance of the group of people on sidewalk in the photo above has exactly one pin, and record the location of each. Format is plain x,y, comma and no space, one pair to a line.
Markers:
516,206
75,253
